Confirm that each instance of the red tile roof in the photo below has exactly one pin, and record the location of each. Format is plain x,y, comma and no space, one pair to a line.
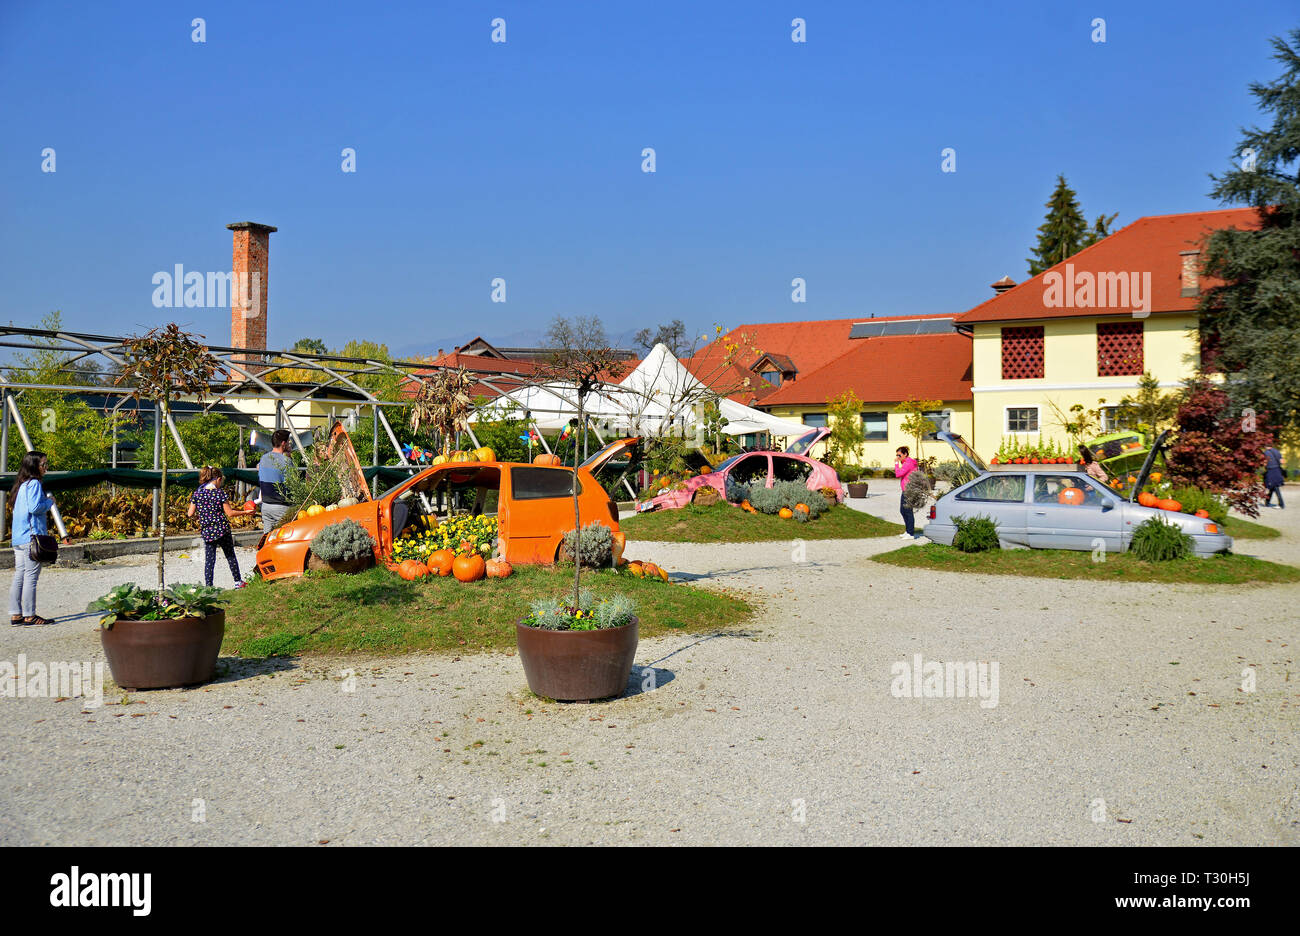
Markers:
887,369
1148,245
808,345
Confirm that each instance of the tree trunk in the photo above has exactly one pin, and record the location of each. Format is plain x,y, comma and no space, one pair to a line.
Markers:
577,520
162,507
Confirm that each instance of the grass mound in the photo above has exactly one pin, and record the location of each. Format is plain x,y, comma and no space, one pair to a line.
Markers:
378,613
724,523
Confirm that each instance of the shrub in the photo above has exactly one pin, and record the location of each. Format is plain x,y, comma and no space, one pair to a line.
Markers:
342,542
1158,541
975,534
786,494
552,614
596,545
917,490
1194,499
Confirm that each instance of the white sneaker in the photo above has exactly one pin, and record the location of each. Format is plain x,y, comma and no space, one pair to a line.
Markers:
904,535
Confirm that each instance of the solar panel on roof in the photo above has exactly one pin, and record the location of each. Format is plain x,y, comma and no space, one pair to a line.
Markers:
906,327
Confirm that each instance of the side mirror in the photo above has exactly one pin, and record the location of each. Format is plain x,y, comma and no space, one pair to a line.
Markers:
1107,504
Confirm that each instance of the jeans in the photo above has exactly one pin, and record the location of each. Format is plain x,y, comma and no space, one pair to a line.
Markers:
909,518
227,545
1278,491
272,514
22,594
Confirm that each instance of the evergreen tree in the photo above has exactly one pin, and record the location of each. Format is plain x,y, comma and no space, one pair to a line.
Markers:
1255,314
1064,232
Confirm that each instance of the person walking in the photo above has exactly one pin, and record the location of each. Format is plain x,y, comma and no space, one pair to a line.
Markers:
1274,477
214,511
271,470
28,504
904,465
1091,466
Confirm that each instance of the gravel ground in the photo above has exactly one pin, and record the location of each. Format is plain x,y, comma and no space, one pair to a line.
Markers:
784,733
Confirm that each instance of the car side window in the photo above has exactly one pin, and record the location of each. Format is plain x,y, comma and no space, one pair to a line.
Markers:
538,483
1052,489
1001,488
790,469
750,468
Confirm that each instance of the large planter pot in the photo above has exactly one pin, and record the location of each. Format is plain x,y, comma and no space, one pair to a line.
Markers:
163,654
857,489
346,566
574,666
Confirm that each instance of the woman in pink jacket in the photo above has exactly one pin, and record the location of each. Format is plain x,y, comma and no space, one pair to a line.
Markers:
904,465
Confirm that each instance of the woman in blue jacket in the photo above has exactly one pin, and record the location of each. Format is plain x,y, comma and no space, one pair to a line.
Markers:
28,505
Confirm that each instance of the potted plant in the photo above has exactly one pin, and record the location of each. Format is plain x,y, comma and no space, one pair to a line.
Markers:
858,488
578,652
341,547
161,640
179,629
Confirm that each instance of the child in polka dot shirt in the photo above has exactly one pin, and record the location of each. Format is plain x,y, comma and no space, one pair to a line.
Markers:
214,512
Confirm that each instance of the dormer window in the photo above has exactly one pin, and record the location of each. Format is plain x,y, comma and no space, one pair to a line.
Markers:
771,376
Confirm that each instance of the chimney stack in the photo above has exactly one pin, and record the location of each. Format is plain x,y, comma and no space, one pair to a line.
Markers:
1003,285
248,286
1191,274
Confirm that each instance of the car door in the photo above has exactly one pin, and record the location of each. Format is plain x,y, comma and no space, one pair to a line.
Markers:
1000,496
1058,518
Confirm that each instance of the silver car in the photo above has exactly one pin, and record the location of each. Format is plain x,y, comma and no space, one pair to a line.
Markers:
1057,507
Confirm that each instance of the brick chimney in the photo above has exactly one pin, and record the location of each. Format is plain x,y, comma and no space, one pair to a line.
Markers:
1191,274
1003,285
252,250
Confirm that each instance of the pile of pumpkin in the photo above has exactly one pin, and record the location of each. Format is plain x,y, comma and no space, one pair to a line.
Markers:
463,565
483,454
1147,499
315,510
785,513
645,570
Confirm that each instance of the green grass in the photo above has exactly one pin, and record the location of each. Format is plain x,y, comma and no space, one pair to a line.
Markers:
378,613
1072,564
723,523
1238,528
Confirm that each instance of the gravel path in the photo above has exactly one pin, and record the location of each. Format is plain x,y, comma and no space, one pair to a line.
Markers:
784,733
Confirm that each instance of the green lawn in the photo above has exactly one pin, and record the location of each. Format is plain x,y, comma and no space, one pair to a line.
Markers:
1238,528
377,612
1072,564
723,523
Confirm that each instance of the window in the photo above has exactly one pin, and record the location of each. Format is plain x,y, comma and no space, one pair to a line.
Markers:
1119,348
1048,488
940,421
790,469
816,420
771,376
875,427
1003,488
1109,418
748,469
1022,352
537,483
1022,419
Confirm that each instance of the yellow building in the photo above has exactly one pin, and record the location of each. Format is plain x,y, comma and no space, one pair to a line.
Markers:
1084,331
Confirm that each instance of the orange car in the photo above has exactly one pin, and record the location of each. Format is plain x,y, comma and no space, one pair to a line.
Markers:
534,508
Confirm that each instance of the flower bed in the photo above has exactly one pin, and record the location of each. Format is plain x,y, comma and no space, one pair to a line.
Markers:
464,534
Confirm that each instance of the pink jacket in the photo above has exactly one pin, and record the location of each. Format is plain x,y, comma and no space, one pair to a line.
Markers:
903,469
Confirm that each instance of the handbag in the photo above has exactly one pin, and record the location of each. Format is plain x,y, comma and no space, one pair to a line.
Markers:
43,548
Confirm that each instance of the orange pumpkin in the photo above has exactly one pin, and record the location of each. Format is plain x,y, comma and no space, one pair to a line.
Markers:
802,508
663,573
1071,495
1203,514
1147,499
468,568
705,470
747,507
785,513
1169,504
418,569
440,561
636,568
649,569
498,568
546,459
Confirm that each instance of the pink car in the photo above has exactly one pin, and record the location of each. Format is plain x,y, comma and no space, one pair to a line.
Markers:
768,467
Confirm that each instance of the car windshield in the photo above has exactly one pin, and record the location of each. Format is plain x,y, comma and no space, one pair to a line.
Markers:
801,445
723,465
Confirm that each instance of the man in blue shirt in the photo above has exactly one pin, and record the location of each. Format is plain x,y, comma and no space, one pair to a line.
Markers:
270,479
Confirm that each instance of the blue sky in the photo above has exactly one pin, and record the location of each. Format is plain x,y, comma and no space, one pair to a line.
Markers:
523,160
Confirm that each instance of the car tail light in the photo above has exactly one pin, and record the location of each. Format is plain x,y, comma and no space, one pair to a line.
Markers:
933,512
1211,528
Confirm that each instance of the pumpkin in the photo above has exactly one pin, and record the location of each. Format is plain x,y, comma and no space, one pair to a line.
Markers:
441,561
484,454
705,470
497,568
636,569
747,506
785,513
468,568
1169,504
438,460
302,515
802,508
315,510
1155,476
546,459
248,505
406,569
348,502
649,569
1147,499
663,573
1203,514
418,569
1071,495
